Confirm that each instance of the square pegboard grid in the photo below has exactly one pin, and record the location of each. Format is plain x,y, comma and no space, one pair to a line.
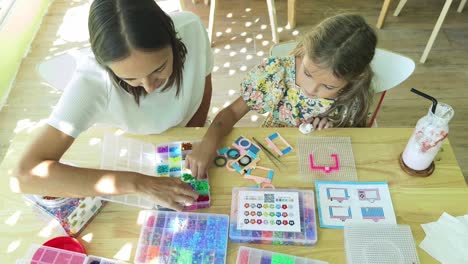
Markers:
379,244
322,150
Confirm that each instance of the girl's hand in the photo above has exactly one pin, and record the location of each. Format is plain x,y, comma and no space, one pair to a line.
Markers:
199,160
168,192
320,123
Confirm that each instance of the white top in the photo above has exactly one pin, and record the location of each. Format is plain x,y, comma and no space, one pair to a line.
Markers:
91,97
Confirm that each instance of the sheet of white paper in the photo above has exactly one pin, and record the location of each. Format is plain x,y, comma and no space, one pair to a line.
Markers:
447,239
353,202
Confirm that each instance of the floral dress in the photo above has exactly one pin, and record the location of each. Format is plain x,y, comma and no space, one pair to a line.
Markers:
271,88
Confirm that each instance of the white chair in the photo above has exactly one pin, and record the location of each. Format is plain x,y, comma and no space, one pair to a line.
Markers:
58,70
390,69
435,31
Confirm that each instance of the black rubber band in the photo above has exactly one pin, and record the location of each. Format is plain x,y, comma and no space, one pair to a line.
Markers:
245,163
218,159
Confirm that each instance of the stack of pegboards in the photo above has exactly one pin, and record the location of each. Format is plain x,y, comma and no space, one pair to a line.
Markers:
163,160
179,237
247,255
48,255
280,216
73,214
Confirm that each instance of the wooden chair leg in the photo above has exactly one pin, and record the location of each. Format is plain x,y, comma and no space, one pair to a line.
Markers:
461,6
211,26
383,13
436,30
400,6
272,14
292,13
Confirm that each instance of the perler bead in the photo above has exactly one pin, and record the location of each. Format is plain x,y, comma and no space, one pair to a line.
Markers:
187,177
186,146
202,187
163,149
174,150
175,160
162,169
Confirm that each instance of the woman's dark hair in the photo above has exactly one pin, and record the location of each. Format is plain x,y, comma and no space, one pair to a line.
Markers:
118,26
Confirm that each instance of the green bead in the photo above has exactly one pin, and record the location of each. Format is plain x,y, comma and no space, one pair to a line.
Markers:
185,256
202,187
188,177
282,259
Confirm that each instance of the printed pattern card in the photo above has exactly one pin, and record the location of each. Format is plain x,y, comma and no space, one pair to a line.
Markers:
266,211
353,202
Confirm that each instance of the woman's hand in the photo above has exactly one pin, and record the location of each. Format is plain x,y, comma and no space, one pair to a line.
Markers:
168,192
320,123
199,160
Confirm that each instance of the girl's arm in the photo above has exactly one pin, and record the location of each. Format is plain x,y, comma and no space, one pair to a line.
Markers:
199,118
202,155
40,172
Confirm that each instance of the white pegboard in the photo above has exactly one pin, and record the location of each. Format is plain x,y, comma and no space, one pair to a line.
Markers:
379,244
322,149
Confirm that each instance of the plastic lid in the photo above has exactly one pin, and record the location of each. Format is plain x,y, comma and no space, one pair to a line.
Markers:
50,201
66,243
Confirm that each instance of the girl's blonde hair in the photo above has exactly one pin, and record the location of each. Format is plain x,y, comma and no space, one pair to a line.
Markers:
345,45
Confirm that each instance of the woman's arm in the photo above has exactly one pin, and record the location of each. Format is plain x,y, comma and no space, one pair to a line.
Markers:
199,118
200,158
40,172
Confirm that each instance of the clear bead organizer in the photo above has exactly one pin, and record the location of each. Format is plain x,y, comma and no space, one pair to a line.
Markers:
182,237
247,255
163,160
273,216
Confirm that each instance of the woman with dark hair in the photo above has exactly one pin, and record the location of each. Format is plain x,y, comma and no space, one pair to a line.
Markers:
148,72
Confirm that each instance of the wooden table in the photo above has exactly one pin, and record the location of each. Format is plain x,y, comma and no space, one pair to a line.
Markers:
114,232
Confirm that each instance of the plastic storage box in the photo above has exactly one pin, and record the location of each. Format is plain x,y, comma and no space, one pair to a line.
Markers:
247,255
125,154
48,255
73,214
180,237
280,216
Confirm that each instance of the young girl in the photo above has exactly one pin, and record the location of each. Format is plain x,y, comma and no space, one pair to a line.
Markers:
326,82
149,72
